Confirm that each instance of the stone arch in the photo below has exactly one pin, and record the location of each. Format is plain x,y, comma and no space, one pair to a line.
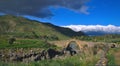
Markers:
76,42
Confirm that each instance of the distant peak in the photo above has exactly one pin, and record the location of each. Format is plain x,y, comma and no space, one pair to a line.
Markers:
108,29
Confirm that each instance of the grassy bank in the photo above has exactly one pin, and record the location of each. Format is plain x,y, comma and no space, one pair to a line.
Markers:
25,43
76,60
111,56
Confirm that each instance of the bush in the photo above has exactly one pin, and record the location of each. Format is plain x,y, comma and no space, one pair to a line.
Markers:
11,40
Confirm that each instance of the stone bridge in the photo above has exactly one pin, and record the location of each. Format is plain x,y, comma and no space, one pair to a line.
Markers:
81,44
64,43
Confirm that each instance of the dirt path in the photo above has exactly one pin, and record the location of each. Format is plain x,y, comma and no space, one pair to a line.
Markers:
103,60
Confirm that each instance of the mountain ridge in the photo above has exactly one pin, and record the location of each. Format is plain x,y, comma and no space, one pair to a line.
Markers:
22,27
95,29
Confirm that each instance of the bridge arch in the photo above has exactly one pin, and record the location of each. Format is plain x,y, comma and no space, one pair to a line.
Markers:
73,43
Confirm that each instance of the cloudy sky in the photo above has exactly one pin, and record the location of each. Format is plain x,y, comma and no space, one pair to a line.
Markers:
66,12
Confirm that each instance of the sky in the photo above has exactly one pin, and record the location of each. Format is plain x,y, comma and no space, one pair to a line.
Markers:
66,12
100,12
101,15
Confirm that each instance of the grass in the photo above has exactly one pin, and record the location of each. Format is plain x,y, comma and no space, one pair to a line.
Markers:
83,59
111,57
21,27
25,43
76,60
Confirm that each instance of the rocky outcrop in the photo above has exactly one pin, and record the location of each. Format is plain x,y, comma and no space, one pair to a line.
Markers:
28,56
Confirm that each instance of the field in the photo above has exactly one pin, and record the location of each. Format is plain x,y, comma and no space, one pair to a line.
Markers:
85,58
24,43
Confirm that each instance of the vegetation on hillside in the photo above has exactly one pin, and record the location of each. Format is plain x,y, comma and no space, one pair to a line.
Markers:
25,43
24,28
110,38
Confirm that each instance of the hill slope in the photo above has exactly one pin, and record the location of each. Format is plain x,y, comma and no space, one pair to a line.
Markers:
25,28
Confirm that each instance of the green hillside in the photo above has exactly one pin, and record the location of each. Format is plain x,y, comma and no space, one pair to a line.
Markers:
24,28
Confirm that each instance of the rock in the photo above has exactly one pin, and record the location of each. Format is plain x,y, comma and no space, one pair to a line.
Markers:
52,53
102,62
37,58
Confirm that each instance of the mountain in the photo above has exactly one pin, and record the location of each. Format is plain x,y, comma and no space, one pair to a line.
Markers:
96,29
95,33
24,28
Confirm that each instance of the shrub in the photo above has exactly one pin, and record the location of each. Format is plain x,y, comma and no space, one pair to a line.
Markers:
11,40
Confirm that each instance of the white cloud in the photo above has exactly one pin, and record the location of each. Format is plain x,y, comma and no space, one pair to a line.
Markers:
95,28
84,10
